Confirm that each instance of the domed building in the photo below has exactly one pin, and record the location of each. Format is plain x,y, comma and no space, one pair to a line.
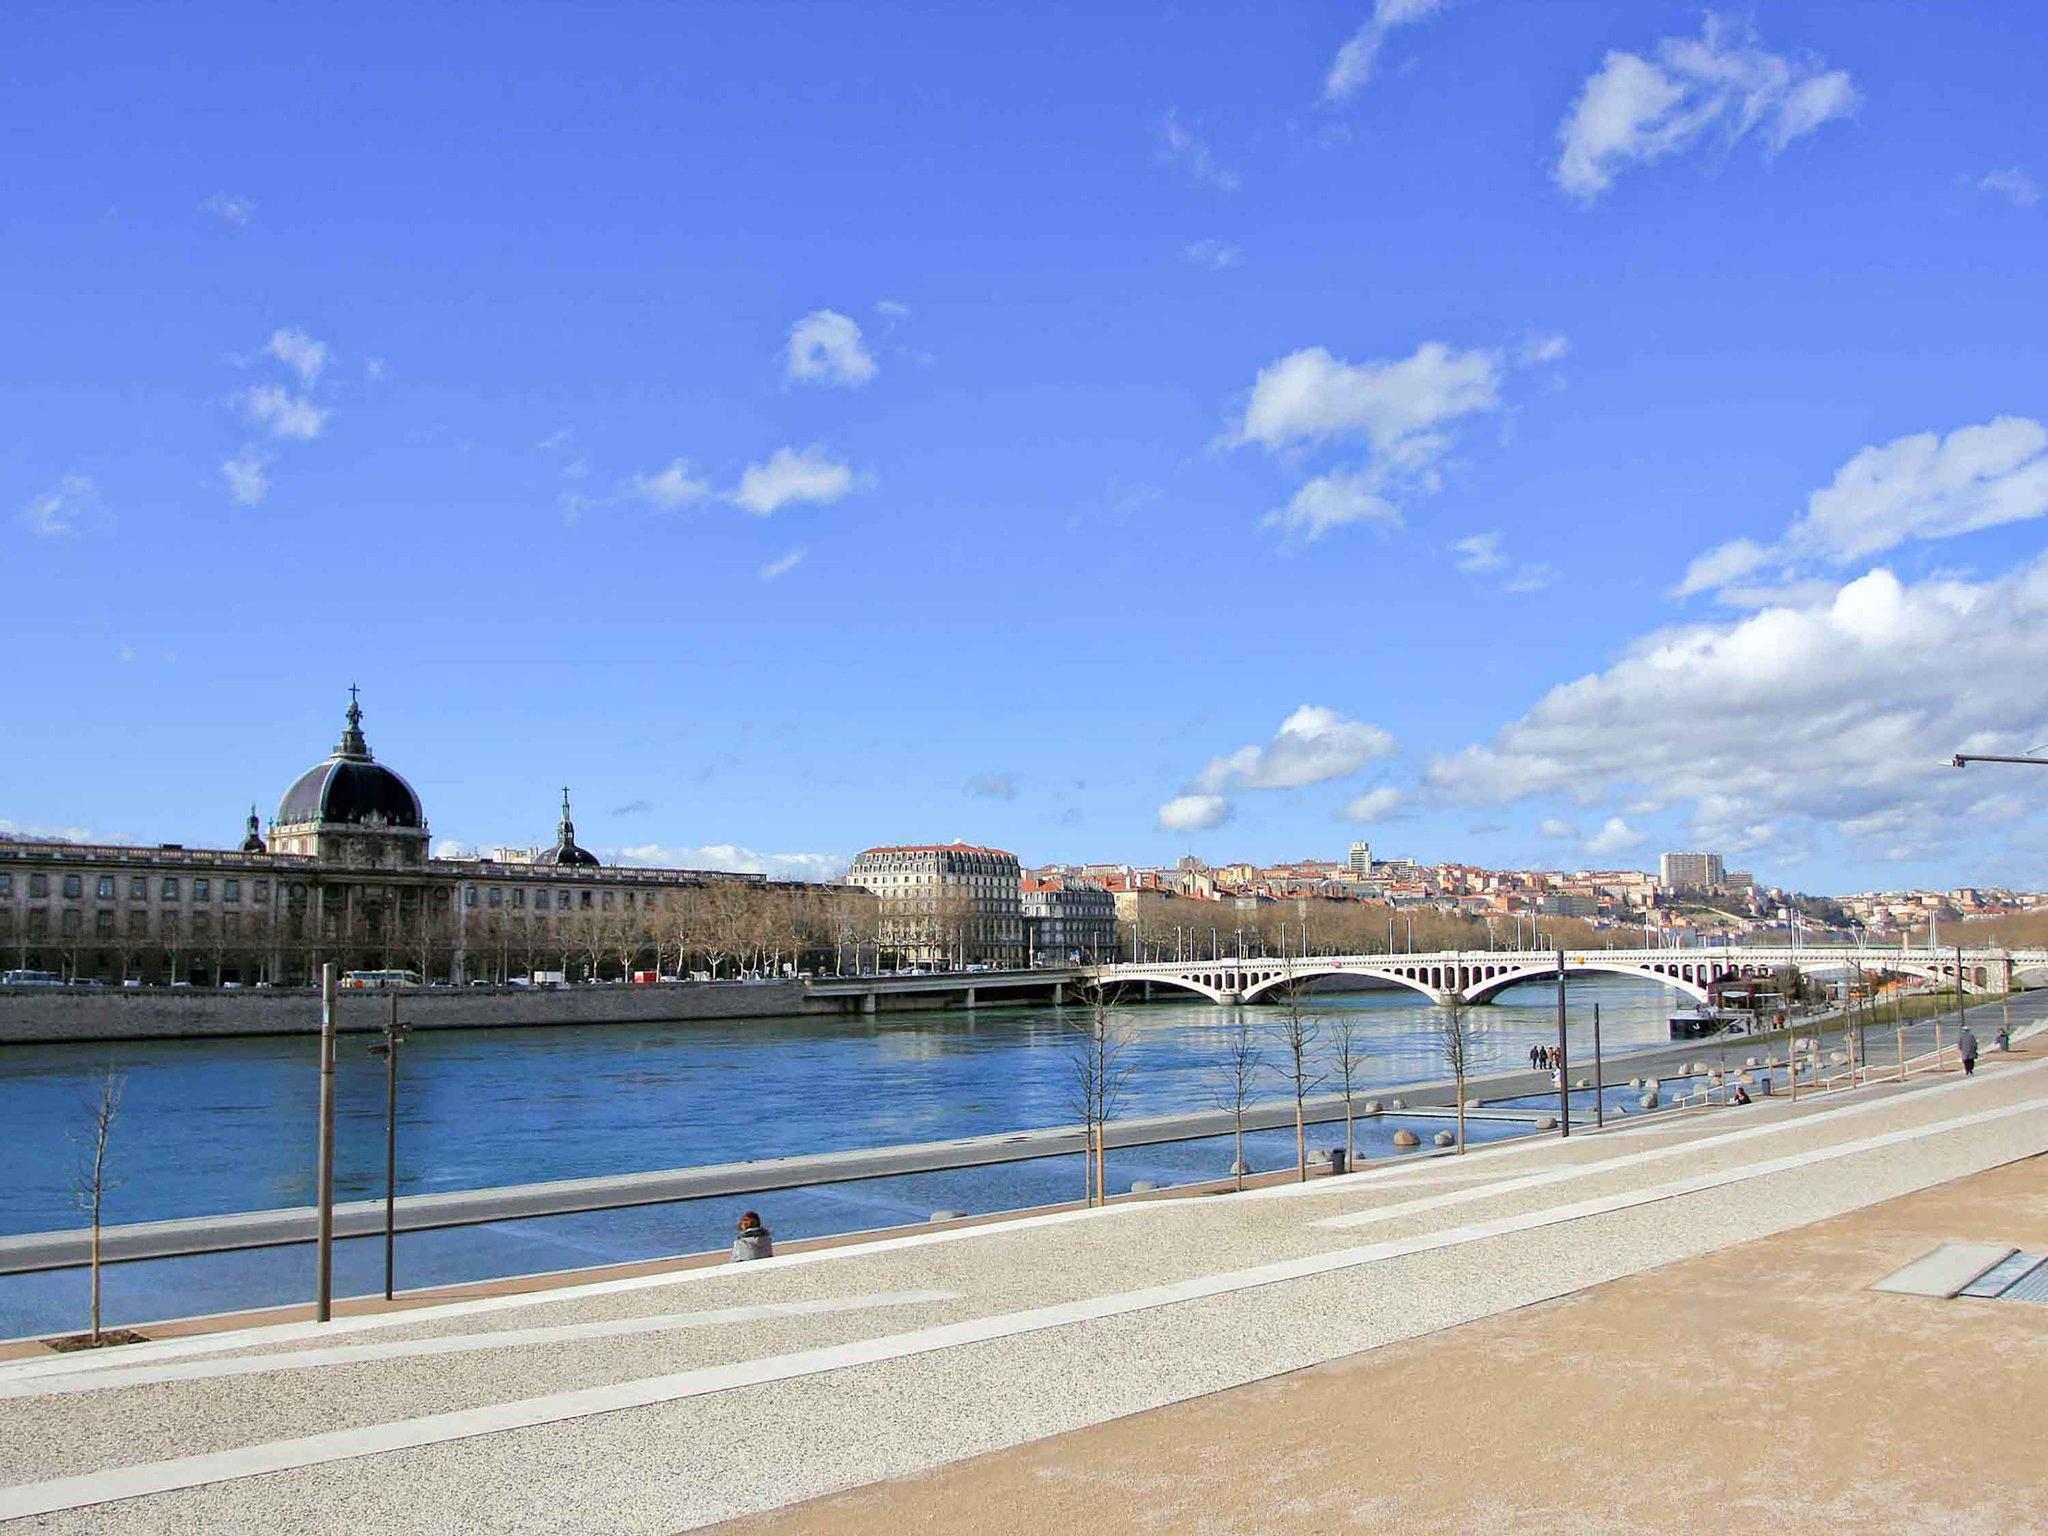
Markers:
351,809
345,877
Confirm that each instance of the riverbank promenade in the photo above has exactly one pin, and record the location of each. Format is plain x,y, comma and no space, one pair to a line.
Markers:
1421,1292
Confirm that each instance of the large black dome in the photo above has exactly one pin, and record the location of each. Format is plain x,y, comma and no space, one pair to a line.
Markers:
351,787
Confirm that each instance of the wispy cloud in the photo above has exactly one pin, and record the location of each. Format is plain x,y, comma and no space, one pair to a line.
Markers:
1353,65
782,566
282,413
670,488
298,352
58,512
1634,111
2012,184
792,475
1181,149
993,786
248,481
1216,255
229,210
825,347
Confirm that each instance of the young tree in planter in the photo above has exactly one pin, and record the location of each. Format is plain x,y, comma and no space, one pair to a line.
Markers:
1347,1059
1101,1071
1233,1076
1297,1034
1454,1043
94,1178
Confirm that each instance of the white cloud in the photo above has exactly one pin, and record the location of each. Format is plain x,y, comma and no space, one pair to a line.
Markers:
1615,836
298,352
791,476
1312,746
449,848
825,348
247,478
735,858
58,513
782,566
1331,501
1830,713
1194,813
229,210
1911,489
1217,255
1353,65
1928,487
1399,408
1529,578
1538,350
670,488
282,413
1374,804
1721,565
1480,552
895,309
2012,184
1557,829
1191,157
1633,111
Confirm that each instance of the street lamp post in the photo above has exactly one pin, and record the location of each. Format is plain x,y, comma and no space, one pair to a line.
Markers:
394,1036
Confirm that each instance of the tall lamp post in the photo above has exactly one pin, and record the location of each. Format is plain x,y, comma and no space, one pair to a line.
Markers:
394,1036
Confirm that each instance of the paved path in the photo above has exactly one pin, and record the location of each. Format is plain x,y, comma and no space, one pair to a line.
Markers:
670,1401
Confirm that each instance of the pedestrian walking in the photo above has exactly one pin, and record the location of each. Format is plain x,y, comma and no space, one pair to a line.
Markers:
2003,1039
1966,1047
753,1241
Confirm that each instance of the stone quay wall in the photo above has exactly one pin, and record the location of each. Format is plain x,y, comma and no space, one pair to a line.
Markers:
30,1015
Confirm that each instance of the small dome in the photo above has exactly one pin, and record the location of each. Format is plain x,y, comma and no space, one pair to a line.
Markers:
351,787
566,850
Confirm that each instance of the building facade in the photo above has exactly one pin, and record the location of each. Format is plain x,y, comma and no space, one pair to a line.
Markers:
344,875
1068,921
945,904
1690,871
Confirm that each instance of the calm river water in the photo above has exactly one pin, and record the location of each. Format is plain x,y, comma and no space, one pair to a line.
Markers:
209,1126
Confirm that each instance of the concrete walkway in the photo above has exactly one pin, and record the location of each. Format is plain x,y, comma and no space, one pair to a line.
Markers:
669,1401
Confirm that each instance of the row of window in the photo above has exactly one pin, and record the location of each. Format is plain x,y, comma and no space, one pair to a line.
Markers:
71,924
105,886
496,896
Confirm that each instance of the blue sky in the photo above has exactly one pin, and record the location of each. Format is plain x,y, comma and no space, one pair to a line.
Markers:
1520,433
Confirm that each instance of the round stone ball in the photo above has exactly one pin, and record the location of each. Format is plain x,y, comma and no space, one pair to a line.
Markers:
1143,1187
1405,1138
1648,1100
1446,1139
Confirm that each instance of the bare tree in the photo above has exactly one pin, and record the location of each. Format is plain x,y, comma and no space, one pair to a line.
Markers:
1348,1058
1297,1034
94,1179
1233,1077
1100,1072
1454,1043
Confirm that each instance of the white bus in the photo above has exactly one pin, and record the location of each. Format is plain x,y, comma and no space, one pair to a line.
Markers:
378,981
31,979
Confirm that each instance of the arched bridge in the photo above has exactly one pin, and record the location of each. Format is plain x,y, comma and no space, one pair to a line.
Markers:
1478,976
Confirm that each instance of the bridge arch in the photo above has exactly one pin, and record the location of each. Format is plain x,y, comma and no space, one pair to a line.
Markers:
1491,987
1301,972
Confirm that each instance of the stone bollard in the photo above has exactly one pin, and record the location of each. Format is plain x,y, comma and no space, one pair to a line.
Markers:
1751,1061
1648,1100
1547,1123
1635,1082
1446,1139
1143,1187
1475,1103
1405,1138
1584,1082
1238,1170
947,1215
1399,1104
1372,1106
